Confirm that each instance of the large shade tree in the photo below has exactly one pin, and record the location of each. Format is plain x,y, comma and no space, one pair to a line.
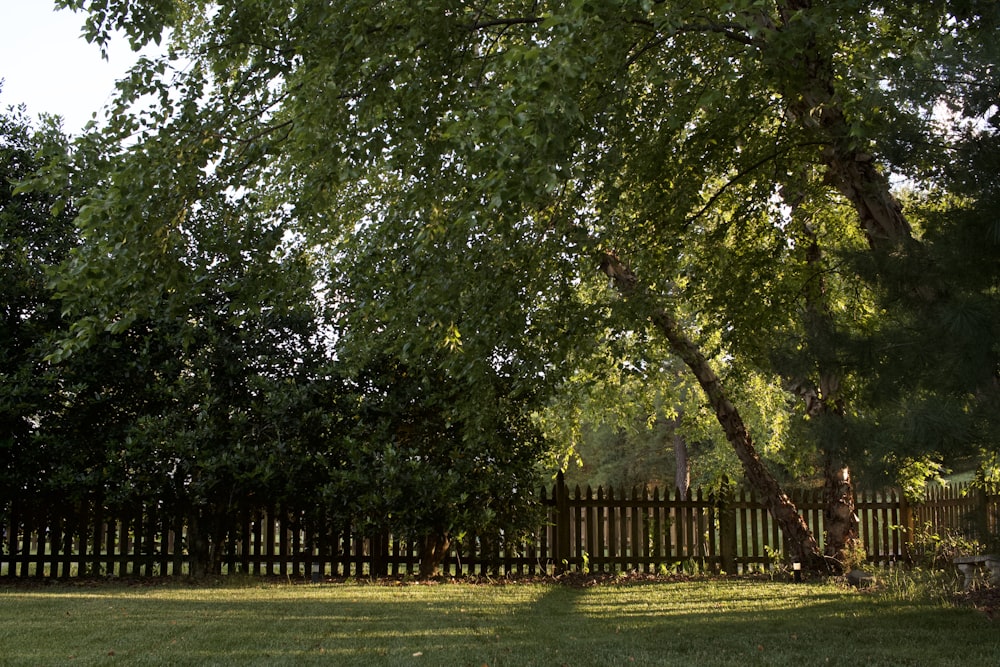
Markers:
674,146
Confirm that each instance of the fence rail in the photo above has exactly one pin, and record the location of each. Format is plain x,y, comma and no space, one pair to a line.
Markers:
601,530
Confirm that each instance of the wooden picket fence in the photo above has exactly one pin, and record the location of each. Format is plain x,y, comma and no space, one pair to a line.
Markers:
602,530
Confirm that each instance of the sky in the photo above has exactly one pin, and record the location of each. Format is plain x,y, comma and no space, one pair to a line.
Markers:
46,64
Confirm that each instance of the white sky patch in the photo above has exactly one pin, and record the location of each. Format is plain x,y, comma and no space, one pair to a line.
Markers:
46,64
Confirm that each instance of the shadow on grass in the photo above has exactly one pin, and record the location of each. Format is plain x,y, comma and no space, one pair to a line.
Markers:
693,623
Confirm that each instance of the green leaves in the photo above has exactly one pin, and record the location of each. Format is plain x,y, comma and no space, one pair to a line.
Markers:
142,22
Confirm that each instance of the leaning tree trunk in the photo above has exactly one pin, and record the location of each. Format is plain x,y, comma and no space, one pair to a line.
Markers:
800,539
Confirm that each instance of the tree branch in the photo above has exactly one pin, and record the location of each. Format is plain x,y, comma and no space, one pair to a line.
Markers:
733,31
498,22
725,186
730,30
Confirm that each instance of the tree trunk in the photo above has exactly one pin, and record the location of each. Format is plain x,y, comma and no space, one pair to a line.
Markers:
682,475
842,543
432,552
801,541
814,103
853,172
202,545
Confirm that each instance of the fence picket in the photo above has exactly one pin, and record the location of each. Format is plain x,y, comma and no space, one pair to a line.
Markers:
590,523
624,527
656,529
702,506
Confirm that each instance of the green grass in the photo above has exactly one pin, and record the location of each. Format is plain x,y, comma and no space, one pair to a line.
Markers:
701,622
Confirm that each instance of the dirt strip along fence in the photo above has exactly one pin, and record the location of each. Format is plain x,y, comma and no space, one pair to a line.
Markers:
602,530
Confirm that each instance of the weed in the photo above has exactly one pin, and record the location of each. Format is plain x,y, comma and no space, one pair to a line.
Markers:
916,584
854,556
933,550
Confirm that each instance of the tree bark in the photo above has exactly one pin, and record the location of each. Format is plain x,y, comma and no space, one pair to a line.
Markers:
850,168
203,544
813,101
682,474
432,552
842,543
800,539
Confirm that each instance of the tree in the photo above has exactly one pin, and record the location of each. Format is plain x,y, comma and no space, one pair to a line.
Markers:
245,405
648,138
444,381
61,422
32,239
420,463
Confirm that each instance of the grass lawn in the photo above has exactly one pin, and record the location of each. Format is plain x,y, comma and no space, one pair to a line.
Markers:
699,622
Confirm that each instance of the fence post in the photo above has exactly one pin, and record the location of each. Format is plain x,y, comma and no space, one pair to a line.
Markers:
727,526
982,515
908,525
379,546
562,524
